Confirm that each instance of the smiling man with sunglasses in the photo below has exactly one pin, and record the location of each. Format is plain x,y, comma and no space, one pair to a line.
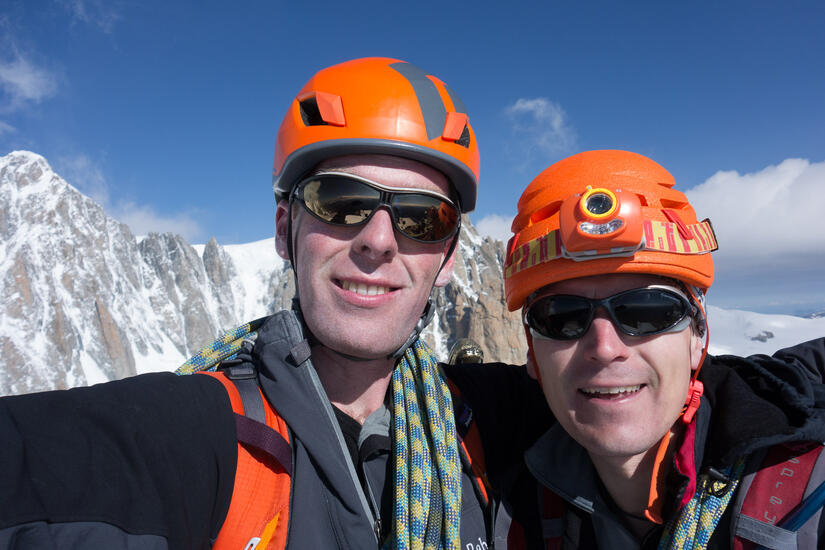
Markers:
610,265
330,425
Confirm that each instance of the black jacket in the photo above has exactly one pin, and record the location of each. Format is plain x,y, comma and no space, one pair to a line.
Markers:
733,421
149,462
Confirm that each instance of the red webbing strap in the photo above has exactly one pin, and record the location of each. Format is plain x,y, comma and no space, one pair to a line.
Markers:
552,512
470,440
778,486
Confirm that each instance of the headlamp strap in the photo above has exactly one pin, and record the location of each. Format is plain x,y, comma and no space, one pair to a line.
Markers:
658,236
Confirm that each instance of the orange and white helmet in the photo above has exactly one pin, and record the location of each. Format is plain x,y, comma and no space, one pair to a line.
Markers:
377,105
601,212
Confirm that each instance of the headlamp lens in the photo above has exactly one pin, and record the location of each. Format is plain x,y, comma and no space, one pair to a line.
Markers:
599,203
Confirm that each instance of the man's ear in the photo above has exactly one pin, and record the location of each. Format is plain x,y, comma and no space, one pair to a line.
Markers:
281,221
531,365
447,271
697,344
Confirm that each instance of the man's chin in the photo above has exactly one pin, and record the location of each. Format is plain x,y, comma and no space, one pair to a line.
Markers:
360,348
617,445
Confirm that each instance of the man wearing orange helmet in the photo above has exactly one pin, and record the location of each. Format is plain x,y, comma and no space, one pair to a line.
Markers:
610,265
327,426
330,425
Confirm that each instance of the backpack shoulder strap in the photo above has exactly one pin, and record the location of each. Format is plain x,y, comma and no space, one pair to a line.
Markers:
772,496
471,448
552,518
259,511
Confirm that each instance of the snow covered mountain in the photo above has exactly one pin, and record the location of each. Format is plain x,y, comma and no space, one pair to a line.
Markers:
83,300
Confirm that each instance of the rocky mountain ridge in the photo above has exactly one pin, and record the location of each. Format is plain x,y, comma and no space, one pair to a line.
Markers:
83,300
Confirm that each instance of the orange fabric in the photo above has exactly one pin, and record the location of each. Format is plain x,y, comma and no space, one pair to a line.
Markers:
653,512
260,498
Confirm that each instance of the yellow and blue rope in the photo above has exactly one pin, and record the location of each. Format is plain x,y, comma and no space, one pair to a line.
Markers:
427,511
694,525
224,347
427,466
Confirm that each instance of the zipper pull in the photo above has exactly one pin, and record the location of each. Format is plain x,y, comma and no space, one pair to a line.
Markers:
376,527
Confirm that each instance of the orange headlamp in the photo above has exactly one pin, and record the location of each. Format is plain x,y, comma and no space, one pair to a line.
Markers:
601,223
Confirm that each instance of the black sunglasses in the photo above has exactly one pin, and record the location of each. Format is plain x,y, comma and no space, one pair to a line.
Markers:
636,312
346,199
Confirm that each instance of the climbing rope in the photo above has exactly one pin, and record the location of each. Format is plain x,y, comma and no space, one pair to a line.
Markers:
225,347
427,465
694,525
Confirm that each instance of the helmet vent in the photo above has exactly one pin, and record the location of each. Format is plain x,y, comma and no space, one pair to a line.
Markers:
310,113
642,199
546,212
464,139
675,205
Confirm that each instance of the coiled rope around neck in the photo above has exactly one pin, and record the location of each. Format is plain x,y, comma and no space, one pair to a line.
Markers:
692,527
427,466
427,494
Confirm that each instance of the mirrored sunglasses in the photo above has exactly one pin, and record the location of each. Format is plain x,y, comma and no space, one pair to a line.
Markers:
345,199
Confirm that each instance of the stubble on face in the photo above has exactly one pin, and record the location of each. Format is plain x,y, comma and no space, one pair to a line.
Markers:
616,395
362,289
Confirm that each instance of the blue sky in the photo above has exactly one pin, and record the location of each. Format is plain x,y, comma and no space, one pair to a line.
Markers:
166,112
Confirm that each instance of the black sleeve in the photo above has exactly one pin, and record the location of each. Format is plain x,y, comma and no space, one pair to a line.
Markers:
509,409
808,357
142,462
792,377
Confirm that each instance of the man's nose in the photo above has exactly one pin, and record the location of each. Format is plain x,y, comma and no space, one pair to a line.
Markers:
604,341
376,239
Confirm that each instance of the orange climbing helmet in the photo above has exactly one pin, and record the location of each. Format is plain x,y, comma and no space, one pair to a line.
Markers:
601,212
377,105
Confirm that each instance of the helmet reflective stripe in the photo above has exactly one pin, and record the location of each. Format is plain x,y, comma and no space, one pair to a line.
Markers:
432,108
458,105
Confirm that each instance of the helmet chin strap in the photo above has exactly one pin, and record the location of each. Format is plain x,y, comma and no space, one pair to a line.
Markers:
692,402
424,320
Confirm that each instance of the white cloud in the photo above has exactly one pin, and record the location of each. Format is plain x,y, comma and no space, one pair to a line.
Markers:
769,228
778,210
21,82
6,128
87,176
143,219
99,13
541,124
495,226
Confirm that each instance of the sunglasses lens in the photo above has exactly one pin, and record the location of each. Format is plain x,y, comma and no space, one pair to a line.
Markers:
423,217
342,200
339,200
560,317
648,311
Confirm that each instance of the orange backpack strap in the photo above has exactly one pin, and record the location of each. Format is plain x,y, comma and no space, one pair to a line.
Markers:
258,514
768,506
